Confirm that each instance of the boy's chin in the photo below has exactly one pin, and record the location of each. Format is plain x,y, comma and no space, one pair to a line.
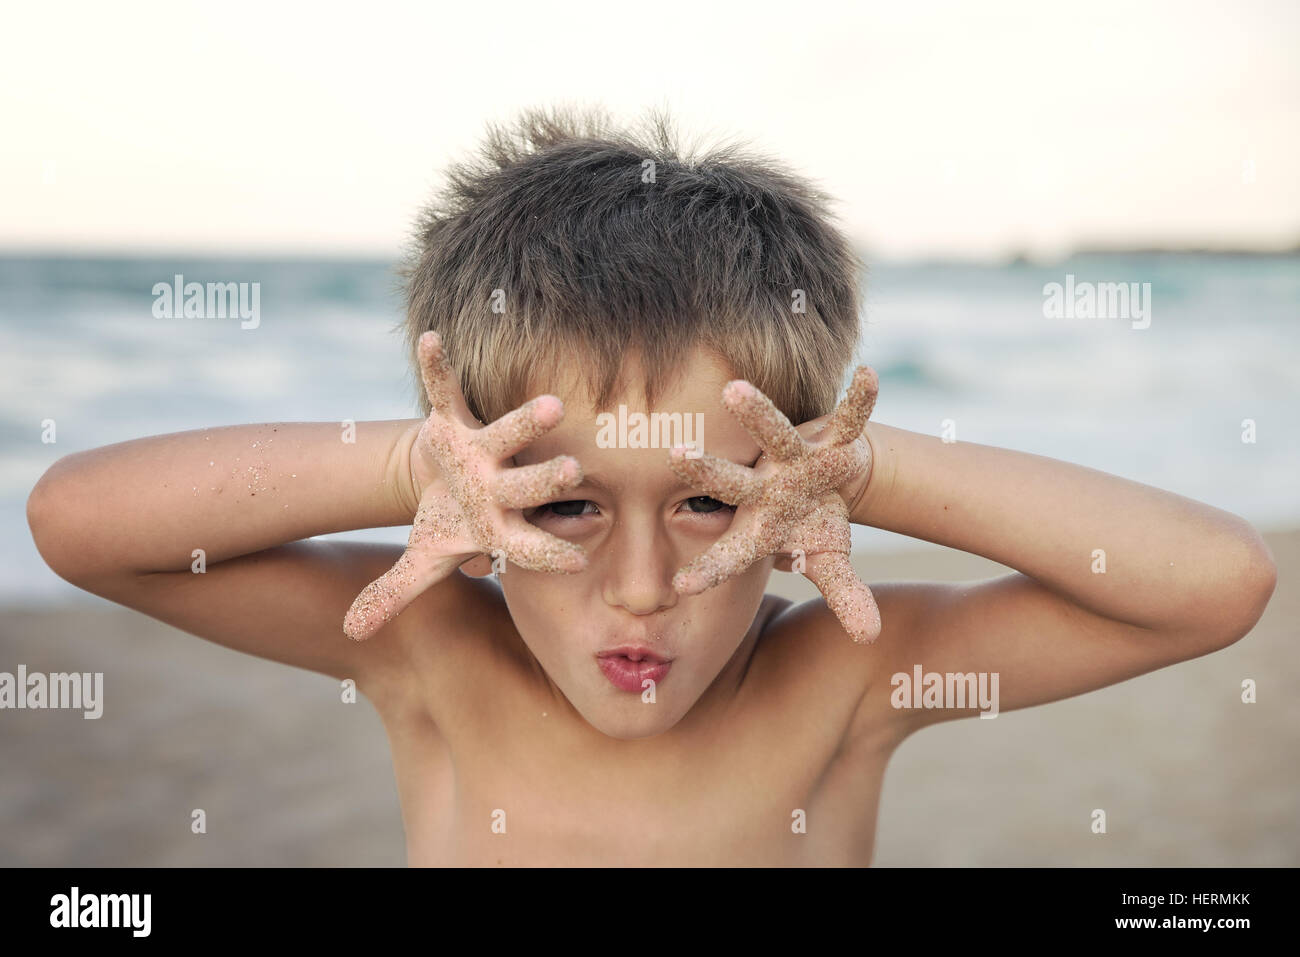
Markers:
620,732
630,721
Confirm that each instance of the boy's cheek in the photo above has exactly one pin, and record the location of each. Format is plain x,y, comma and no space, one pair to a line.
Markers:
478,567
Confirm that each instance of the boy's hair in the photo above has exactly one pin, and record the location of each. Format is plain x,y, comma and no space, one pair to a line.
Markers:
570,242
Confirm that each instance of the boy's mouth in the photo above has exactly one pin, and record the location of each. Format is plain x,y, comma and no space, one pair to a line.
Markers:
630,666
634,653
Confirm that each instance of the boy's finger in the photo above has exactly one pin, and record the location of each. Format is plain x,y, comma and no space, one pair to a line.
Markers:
716,477
530,485
727,557
386,597
530,547
517,428
437,534
763,421
850,416
440,383
846,595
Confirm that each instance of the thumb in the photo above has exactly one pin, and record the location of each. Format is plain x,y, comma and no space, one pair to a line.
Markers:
847,596
388,595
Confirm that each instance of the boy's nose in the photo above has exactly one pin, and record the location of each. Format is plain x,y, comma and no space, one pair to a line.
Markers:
639,567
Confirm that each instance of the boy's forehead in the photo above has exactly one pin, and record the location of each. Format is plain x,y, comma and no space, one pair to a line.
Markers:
626,432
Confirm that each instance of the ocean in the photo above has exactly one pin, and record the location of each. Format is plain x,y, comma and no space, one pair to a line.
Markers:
968,347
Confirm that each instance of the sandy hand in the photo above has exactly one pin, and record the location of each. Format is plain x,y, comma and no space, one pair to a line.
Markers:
474,506
788,503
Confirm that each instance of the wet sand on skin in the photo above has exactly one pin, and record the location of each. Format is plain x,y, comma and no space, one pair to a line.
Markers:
288,775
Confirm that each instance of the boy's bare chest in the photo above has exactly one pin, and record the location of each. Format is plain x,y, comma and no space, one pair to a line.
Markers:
510,789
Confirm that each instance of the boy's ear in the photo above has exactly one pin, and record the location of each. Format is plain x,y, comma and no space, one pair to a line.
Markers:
480,566
811,431
813,427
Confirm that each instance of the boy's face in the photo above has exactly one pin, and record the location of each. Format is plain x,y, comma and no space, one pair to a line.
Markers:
638,524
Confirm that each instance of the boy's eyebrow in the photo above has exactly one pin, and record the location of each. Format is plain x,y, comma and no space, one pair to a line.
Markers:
593,479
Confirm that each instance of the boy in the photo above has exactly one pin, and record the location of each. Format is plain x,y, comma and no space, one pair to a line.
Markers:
621,691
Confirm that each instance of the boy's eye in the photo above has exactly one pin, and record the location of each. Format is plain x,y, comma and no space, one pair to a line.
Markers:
570,509
706,504
576,508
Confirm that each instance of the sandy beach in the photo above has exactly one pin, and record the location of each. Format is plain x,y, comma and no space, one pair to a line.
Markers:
289,775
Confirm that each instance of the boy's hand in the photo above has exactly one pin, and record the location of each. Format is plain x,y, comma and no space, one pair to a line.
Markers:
472,506
790,501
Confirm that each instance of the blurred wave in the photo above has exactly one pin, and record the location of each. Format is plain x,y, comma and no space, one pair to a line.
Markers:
965,342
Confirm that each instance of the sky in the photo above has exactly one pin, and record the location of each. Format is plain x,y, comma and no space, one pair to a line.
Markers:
977,130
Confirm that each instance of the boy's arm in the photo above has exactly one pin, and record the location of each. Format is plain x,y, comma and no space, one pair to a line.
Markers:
203,529
124,521
1181,578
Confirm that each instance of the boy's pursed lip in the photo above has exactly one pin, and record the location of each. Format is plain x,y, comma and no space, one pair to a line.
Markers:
631,676
629,667
634,653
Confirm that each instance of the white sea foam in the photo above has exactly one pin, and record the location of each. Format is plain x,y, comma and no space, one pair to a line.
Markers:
1163,405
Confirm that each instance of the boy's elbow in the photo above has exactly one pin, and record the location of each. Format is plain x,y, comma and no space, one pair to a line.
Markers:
1248,588
40,509
47,515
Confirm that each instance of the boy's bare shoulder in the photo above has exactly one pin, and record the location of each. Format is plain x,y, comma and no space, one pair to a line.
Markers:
807,653
438,644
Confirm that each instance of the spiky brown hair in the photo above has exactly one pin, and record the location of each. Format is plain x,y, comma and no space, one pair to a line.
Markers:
569,241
